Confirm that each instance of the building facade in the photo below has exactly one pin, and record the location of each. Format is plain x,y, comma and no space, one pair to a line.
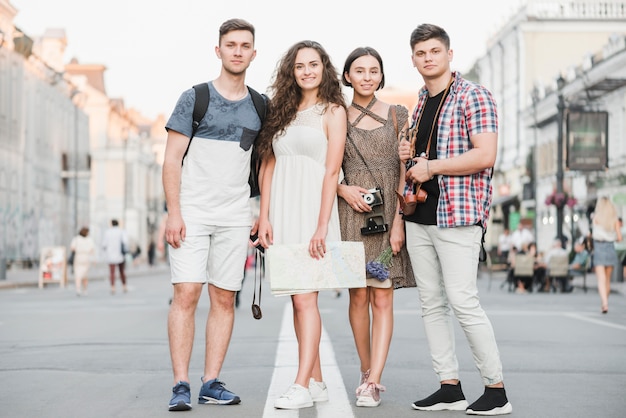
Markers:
524,60
70,156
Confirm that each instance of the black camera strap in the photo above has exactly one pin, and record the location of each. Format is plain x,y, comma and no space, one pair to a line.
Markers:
259,273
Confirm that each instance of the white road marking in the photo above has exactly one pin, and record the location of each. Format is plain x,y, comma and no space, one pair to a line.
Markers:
595,321
286,368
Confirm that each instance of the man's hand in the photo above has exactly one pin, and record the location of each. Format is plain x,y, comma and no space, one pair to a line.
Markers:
175,230
420,172
404,151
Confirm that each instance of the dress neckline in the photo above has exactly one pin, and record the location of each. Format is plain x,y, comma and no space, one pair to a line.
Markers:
315,106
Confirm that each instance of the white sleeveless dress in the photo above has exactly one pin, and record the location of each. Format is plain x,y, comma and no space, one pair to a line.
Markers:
296,193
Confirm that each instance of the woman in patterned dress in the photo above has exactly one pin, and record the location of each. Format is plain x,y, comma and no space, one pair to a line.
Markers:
371,161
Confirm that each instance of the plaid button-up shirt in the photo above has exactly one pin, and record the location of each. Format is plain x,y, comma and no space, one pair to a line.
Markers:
468,110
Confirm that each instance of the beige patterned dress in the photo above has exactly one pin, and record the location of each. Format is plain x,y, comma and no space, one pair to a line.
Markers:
379,147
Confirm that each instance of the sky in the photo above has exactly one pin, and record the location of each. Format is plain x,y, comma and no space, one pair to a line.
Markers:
155,49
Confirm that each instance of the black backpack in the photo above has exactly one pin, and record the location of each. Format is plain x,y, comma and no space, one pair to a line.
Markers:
199,110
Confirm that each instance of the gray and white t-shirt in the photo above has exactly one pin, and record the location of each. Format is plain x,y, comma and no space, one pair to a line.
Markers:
214,184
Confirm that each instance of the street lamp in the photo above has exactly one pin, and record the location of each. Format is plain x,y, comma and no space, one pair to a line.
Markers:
559,157
125,137
535,171
76,97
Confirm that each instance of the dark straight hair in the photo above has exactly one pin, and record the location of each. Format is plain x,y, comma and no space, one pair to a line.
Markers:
358,53
427,31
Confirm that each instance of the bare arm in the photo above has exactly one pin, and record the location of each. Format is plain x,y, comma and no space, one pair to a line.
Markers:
480,157
266,235
335,121
172,169
397,234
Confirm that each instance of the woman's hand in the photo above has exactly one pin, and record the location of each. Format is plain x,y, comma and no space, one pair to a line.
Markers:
353,195
317,245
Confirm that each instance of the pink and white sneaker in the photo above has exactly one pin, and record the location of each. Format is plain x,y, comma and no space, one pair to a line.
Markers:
368,394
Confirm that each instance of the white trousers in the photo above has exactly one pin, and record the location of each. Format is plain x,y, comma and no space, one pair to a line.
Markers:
445,263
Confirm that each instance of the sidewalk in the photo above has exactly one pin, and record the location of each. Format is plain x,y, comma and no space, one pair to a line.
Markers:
498,277
19,277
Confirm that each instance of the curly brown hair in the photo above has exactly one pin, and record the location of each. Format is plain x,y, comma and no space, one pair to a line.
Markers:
286,94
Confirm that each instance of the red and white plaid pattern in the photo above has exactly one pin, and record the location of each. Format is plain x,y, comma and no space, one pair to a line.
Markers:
469,109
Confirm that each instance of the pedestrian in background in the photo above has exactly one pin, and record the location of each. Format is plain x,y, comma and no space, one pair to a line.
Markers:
209,217
151,252
302,149
521,237
115,247
370,161
620,247
444,234
84,251
504,244
605,232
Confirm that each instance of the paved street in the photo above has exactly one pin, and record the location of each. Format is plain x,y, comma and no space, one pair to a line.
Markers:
106,355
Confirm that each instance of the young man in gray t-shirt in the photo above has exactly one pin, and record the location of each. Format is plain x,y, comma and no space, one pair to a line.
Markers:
209,215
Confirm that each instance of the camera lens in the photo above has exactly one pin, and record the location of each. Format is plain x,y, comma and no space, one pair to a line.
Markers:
368,198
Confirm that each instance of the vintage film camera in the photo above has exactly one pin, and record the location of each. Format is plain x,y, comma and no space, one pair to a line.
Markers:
374,220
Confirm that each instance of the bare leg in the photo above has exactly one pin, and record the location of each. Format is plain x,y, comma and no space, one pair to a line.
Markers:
77,280
112,277
308,325
359,315
609,273
601,277
123,275
382,330
219,328
181,327
316,373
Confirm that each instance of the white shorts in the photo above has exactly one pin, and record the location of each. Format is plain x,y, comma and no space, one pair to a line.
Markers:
213,254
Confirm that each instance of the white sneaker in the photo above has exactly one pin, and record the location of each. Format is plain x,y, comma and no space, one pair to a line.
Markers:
318,390
296,397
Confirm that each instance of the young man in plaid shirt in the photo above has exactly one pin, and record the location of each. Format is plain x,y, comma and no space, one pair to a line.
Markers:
451,151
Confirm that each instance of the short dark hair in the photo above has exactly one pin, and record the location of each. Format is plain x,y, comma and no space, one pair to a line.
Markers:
358,53
427,31
235,24
114,222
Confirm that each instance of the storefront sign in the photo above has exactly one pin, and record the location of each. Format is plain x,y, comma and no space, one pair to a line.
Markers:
587,140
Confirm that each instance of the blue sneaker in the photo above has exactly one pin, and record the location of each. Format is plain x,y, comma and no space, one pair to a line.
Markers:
181,399
214,392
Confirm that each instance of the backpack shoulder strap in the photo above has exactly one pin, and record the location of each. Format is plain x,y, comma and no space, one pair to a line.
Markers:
200,106
260,103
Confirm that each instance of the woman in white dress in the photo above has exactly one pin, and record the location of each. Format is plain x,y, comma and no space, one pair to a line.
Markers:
302,144
84,250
